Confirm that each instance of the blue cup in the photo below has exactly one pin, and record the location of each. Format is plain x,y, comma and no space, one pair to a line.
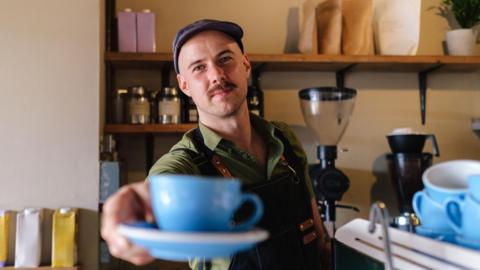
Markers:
190,203
474,186
449,179
463,216
430,212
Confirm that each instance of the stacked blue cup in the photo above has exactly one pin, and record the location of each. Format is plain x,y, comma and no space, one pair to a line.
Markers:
463,216
444,182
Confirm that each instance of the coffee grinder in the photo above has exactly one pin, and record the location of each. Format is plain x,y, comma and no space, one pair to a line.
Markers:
406,164
326,111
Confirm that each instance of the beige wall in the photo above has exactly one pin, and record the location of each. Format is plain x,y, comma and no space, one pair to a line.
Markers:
49,112
385,100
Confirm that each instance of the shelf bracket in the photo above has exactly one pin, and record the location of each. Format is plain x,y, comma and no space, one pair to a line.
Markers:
149,151
422,86
340,75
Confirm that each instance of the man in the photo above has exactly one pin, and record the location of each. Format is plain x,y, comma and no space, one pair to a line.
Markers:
267,157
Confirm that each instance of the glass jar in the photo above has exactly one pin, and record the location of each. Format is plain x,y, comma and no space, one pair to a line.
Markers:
138,106
169,106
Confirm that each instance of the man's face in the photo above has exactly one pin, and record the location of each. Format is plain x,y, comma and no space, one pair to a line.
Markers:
214,72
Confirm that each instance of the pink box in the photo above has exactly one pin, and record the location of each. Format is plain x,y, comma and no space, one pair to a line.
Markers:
146,31
127,31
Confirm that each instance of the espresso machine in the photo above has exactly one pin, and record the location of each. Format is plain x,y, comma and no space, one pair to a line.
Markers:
372,244
406,164
327,111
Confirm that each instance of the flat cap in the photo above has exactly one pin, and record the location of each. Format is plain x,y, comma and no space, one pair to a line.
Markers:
184,34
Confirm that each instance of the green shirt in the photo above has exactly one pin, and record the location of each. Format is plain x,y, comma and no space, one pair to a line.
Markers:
240,163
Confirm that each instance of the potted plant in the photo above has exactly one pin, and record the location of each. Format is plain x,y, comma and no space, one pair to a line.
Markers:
467,14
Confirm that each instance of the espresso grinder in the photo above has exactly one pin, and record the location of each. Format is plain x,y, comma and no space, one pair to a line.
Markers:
406,164
326,111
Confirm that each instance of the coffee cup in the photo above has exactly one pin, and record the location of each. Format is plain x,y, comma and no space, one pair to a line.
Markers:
474,186
449,179
463,216
430,212
190,203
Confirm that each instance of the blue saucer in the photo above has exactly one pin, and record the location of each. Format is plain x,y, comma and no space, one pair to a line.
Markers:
446,236
180,246
470,243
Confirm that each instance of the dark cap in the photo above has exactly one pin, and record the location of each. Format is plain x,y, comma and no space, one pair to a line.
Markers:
184,34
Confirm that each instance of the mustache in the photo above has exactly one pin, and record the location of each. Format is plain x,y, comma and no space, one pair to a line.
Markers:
224,85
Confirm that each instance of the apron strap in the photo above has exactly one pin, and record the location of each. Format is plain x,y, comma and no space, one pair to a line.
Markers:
209,163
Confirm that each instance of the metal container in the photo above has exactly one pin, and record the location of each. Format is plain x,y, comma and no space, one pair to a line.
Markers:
169,106
138,106
119,106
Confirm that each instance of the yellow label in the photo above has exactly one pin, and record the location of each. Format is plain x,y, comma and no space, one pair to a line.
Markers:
64,230
4,230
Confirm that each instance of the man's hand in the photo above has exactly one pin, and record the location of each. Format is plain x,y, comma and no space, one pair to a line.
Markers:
130,203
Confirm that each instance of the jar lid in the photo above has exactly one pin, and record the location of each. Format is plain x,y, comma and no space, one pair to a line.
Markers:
137,90
30,210
170,91
121,91
64,210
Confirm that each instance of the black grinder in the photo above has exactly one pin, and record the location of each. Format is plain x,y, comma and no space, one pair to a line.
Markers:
327,111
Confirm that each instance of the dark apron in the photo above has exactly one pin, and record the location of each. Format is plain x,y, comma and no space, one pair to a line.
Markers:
292,243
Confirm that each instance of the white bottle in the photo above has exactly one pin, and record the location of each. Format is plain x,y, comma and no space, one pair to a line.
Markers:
28,238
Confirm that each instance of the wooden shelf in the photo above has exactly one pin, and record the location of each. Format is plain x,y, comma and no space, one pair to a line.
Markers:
42,268
423,65
149,128
139,60
311,62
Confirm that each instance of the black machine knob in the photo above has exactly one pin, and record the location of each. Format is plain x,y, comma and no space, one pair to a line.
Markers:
329,183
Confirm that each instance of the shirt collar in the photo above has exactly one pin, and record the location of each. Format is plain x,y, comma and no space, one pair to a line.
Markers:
212,139
263,127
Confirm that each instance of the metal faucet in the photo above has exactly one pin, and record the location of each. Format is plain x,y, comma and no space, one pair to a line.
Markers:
379,213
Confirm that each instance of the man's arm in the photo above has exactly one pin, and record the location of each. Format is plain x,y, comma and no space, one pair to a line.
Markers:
324,243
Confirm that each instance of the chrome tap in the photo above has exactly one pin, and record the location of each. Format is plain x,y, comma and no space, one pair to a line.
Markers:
379,213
